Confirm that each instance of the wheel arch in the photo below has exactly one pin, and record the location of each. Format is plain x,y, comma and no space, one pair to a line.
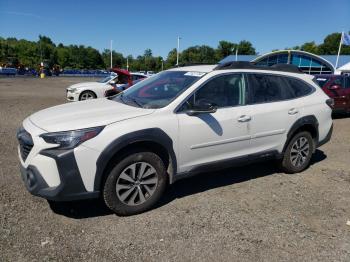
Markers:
87,90
307,123
153,139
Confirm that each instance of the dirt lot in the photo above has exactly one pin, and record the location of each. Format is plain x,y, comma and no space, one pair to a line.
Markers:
250,213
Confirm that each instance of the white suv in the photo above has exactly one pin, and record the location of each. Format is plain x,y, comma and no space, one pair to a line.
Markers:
182,121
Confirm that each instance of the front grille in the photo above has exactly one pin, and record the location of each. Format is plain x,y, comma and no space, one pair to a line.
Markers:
25,143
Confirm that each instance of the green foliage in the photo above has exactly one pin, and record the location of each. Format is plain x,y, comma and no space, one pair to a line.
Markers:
310,47
18,52
329,46
30,54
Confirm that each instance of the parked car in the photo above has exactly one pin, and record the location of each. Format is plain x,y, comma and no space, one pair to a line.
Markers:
180,122
338,88
8,71
116,90
92,90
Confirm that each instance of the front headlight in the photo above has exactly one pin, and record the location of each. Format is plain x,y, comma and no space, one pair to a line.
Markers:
73,90
71,139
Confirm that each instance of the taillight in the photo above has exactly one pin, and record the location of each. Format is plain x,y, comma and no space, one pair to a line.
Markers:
330,102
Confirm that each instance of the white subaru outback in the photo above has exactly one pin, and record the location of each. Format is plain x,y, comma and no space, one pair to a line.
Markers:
182,121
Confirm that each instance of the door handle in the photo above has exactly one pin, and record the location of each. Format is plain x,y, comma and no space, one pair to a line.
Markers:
293,111
244,118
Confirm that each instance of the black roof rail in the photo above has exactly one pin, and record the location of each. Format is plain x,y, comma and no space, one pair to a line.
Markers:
248,65
190,64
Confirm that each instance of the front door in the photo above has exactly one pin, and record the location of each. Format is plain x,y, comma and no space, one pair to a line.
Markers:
210,137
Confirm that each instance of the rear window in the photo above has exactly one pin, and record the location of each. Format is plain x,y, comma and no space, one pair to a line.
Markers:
321,81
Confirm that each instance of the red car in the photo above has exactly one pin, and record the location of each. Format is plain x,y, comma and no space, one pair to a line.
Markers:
125,80
338,88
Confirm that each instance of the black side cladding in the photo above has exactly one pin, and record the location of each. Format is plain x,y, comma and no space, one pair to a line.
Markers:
155,135
302,122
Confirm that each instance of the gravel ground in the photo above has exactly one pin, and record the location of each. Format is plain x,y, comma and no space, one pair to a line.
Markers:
251,213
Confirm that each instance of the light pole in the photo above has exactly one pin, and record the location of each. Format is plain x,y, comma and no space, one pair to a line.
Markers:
178,51
127,63
111,54
162,64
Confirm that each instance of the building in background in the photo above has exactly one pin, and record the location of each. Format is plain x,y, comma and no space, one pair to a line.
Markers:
307,62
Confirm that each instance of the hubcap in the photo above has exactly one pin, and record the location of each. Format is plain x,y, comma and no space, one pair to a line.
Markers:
86,96
300,151
137,183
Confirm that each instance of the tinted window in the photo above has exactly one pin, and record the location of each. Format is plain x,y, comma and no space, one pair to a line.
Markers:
268,88
338,81
347,82
321,81
299,87
222,91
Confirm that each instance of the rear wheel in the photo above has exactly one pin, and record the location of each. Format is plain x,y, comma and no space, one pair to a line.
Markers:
86,95
135,184
298,153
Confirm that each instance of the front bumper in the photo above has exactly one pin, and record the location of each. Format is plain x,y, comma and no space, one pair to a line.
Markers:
71,186
72,96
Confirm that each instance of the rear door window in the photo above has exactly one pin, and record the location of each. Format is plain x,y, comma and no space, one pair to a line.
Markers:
265,88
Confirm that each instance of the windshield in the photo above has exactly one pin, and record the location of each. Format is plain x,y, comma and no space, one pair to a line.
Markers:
106,79
159,90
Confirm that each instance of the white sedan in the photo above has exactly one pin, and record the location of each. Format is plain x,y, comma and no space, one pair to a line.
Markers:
98,89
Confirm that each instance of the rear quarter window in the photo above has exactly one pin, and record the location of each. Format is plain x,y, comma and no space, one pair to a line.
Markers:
299,87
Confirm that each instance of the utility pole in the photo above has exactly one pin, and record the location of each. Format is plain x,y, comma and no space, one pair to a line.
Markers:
178,50
127,63
111,55
41,54
162,64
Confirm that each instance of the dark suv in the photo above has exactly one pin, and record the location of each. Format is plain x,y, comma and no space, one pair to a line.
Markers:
338,88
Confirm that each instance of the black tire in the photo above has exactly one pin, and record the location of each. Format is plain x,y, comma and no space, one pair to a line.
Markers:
110,188
288,162
91,94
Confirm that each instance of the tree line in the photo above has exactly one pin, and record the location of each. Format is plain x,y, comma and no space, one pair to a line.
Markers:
24,53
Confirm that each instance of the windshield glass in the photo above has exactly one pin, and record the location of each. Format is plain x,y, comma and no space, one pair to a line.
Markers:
106,79
159,90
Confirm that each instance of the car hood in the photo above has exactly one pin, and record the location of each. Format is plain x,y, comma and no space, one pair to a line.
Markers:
85,114
86,84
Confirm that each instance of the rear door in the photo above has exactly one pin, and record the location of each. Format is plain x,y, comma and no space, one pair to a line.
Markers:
273,111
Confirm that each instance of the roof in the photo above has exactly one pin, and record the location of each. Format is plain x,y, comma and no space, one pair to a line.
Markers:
345,67
121,71
343,59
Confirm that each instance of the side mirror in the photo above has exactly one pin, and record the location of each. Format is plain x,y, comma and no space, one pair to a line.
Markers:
335,87
202,108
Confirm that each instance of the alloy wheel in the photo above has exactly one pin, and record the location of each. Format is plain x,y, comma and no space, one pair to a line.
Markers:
300,151
136,183
87,96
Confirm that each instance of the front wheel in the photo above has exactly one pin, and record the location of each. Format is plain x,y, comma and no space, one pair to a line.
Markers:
86,95
298,153
135,184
